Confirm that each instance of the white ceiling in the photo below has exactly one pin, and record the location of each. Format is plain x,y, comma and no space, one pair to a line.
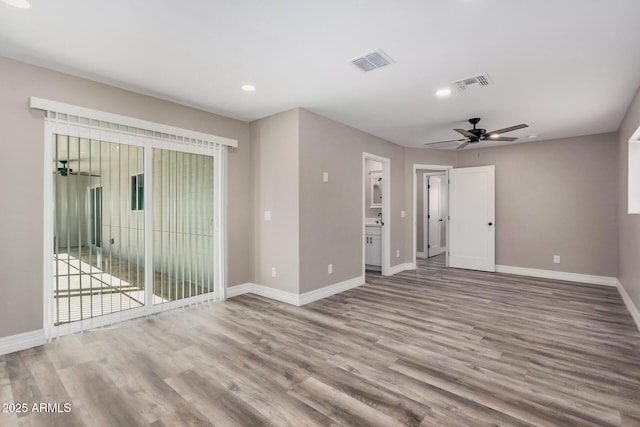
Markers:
565,67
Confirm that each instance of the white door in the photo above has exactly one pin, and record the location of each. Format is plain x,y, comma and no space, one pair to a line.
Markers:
472,218
435,215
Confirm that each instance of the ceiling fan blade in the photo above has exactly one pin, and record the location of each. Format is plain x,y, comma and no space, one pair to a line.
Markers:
464,144
509,129
502,138
465,133
443,142
81,173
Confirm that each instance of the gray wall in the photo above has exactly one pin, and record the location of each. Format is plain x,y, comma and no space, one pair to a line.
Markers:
275,145
555,197
331,229
21,279
629,225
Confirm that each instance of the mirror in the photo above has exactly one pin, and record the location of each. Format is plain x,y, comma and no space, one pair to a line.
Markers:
376,189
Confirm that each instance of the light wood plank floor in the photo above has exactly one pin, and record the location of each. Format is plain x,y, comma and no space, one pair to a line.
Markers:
429,347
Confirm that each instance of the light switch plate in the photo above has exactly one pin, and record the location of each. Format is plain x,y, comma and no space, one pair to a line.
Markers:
402,214
325,176
267,215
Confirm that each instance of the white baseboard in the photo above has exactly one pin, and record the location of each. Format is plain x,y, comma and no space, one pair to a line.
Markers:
635,314
290,297
276,294
558,275
22,341
402,267
234,291
327,291
421,255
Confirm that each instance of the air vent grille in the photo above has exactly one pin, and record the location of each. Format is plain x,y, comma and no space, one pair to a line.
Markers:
471,82
372,60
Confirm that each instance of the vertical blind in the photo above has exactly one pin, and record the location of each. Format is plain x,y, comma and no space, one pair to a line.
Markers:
135,220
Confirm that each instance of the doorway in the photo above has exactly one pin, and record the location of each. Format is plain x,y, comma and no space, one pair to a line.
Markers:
434,213
376,224
421,215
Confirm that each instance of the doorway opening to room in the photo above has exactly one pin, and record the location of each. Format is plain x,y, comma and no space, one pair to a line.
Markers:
430,213
376,224
133,226
432,216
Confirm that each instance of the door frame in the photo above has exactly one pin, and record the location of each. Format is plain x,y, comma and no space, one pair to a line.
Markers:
416,168
426,207
386,210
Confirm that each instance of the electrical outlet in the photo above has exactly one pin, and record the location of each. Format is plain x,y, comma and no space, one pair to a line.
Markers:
273,272
267,215
556,259
402,214
397,253
325,176
330,269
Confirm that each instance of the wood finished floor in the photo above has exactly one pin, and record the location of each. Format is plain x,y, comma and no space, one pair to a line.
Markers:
429,347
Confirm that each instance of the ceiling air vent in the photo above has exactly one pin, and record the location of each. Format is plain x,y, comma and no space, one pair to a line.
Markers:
471,82
372,60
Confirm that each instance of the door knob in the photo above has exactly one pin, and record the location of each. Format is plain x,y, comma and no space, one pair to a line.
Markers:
490,223
440,220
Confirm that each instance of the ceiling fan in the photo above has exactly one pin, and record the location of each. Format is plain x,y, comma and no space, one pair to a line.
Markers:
475,135
65,171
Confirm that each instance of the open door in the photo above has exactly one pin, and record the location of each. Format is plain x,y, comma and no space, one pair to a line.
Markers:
435,216
472,218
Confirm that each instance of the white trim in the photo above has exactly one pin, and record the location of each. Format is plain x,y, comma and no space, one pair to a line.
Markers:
292,298
89,113
330,290
23,341
421,255
234,291
558,275
633,310
425,215
416,167
276,294
402,267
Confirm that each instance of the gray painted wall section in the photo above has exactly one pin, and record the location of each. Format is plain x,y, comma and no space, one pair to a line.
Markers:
331,217
555,197
276,182
629,224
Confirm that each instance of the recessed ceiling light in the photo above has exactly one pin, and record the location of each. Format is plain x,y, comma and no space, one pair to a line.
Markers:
22,4
443,93
248,88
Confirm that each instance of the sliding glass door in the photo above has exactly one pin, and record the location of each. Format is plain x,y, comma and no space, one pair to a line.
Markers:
183,218
133,227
